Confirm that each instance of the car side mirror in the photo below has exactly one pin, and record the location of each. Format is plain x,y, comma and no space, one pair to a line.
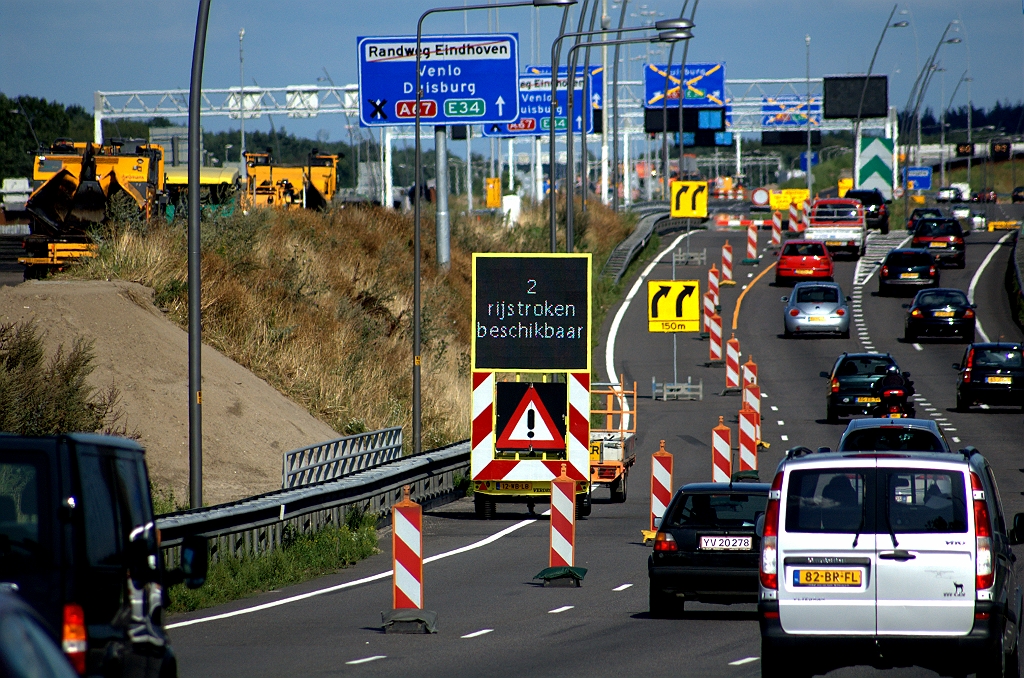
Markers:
657,523
759,525
784,299
956,366
195,561
1017,533
823,375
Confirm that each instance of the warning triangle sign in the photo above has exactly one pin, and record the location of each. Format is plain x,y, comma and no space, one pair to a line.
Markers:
531,426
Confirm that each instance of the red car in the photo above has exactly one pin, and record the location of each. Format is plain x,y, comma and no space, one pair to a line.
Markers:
803,260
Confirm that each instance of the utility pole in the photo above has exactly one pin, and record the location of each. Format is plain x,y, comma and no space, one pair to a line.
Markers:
241,102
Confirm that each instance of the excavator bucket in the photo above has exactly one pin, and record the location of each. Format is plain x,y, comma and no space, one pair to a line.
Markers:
89,201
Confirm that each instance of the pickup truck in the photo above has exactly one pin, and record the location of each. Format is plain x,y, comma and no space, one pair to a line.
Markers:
839,224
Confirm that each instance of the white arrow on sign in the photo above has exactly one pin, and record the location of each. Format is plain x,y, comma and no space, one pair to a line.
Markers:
500,103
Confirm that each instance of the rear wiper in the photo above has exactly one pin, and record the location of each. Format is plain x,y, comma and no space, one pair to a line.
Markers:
888,521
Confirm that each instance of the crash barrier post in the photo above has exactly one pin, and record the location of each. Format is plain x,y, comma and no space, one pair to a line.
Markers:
748,439
713,285
752,399
407,553
709,310
751,245
749,371
727,264
794,219
732,363
715,334
776,230
721,453
661,483
563,521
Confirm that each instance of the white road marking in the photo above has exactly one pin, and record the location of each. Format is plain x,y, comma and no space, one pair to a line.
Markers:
475,634
750,275
918,347
955,439
364,660
781,423
785,438
365,580
774,408
564,608
745,660
622,588
974,283
983,405
929,409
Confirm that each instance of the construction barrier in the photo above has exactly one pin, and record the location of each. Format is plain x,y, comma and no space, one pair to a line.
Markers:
715,334
776,230
751,245
748,439
407,553
709,310
794,219
563,521
713,284
749,371
726,263
725,222
752,400
721,453
661,482
732,363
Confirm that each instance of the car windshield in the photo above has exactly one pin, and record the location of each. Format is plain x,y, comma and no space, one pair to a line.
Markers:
891,439
804,249
828,500
835,213
908,259
21,528
925,501
987,357
852,367
817,295
718,510
941,298
930,228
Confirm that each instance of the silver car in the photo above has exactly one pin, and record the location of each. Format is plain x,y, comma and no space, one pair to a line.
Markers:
817,307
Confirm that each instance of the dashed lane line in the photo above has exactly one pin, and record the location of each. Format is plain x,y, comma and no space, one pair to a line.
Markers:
366,660
745,660
918,347
623,587
559,610
477,634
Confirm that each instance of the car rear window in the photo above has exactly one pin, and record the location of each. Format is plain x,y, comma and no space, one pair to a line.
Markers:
808,249
852,367
891,439
866,197
985,357
908,259
718,510
925,501
828,500
923,214
942,298
929,228
817,295
21,527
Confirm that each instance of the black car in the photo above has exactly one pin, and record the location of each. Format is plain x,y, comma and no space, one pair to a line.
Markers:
1017,195
990,374
923,213
876,211
27,647
706,548
851,383
940,313
906,269
943,238
77,539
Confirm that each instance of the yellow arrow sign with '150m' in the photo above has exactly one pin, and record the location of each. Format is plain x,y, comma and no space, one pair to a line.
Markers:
689,199
673,306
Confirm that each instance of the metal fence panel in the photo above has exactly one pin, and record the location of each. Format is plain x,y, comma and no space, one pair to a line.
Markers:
340,457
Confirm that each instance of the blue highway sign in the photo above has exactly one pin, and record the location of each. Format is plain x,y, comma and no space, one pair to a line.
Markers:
464,79
704,86
789,110
535,108
919,178
596,79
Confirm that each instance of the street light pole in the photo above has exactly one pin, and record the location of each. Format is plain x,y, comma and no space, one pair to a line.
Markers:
863,92
810,173
615,118
945,107
241,104
664,110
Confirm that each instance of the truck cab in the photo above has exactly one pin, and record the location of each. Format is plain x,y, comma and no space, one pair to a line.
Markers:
840,224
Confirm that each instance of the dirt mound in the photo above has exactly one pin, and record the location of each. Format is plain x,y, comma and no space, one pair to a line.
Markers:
247,424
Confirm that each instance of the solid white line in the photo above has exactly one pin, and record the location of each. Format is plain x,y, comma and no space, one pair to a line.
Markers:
622,588
564,608
918,347
745,660
475,634
365,580
367,659
977,277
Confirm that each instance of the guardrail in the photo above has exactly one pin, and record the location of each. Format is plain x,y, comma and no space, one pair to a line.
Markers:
1015,281
340,457
258,524
654,218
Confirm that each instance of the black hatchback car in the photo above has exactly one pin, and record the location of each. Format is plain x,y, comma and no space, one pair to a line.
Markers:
940,313
706,548
907,269
851,383
990,374
944,238
923,213
876,211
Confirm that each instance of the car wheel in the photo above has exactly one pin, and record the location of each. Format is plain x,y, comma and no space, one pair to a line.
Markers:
830,414
993,664
908,336
584,505
969,337
659,605
484,507
961,404
786,333
882,290
846,334
774,665
619,491
885,227
962,263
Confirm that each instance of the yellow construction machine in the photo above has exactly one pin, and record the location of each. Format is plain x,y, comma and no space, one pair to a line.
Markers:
75,183
310,186
218,187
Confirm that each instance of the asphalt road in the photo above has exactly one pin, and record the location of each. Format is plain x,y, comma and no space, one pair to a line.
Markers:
518,628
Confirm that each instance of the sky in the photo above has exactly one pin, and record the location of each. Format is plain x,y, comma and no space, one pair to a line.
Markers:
64,50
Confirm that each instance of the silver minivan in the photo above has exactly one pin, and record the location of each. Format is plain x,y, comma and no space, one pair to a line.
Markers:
895,558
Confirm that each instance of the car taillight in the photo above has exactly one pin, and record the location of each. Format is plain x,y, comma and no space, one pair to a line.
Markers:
969,313
835,386
885,271
968,366
931,271
769,570
985,574
893,393
73,639
916,313
663,541
954,239
840,312
793,312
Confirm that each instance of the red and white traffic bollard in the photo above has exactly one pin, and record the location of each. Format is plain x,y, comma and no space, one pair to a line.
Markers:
713,284
794,218
563,521
751,245
407,553
776,230
749,370
752,400
732,363
748,439
715,334
721,453
726,263
661,483
709,310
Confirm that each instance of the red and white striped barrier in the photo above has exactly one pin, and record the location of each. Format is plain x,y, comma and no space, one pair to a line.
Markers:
724,222
749,371
731,194
715,334
806,216
748,439
726,262
563,521
795,225
709,310
732,363
713,284
776,230
721,453
407,553
661,483
751,244
752,400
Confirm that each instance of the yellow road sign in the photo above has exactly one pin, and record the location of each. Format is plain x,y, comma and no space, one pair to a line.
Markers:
781,200
493,192
689,199
673,306
844,185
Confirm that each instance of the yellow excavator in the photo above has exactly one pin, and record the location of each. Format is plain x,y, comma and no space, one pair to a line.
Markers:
310,186
76,182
